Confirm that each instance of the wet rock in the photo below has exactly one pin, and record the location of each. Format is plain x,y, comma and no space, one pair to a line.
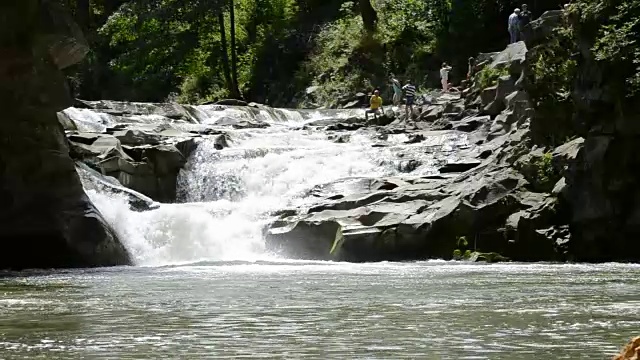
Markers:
94,147
407,222
453,167
231,102
238,123
342,126
137,137
432,113
93,180
221,141
470,124
382,120
124,108
408,166
148,169
531,231
352,104
341,139
415,138
490,257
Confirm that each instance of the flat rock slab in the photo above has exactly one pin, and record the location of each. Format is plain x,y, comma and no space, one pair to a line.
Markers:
459,166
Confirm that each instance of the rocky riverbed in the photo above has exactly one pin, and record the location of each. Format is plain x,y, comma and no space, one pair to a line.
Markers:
487,205
506,196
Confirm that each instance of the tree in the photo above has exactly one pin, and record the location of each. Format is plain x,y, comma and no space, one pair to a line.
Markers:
225,56
369,16
234,55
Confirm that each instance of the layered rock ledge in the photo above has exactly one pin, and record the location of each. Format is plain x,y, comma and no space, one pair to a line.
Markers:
523,197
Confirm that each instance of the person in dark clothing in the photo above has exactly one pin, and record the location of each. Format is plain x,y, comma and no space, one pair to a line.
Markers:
524,18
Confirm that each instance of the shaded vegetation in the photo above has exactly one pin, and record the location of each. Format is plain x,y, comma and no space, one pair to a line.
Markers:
271,50
489,76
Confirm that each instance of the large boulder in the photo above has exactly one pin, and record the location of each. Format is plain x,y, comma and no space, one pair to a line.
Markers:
602,191
413,220
151,169
46,219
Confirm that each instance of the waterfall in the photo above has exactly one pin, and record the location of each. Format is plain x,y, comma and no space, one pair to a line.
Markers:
228,195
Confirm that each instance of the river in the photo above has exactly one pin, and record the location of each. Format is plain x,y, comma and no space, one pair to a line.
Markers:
204,286
316,310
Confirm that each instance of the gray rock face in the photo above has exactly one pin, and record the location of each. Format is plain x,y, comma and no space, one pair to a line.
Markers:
46,219
145,162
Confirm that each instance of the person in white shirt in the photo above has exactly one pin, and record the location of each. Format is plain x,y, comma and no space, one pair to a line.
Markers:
444,76
514,25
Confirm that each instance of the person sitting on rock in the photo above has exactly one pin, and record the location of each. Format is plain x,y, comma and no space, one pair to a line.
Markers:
410,93
375,105
397,90
444,76
513,26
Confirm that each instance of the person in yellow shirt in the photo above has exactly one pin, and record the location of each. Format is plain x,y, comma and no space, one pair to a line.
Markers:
375,105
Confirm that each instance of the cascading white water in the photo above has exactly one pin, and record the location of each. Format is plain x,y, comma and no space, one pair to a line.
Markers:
230,194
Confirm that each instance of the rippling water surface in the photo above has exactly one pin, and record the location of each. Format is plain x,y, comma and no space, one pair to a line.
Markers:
317,310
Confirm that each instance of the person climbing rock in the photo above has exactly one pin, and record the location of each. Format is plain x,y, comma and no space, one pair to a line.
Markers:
513,26
397,90
410,93
375,105
444,76
524,18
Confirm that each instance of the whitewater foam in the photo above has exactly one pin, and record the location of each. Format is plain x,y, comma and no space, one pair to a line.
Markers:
229,195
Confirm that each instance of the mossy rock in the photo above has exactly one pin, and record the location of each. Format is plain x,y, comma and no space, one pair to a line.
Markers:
490,257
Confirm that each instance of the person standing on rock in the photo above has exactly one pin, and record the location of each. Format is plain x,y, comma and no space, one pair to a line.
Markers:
514,26
524,18
375,105
444,76
397,90
410,93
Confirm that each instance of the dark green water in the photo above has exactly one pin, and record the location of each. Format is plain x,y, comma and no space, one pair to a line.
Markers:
432,310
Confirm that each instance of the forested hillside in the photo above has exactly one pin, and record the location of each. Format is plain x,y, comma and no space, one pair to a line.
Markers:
270,51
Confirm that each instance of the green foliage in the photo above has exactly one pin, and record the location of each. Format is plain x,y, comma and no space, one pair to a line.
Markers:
149,49
462,242
551,76
175,45
615,43
461,253
347,59
554,70
544,169
489,76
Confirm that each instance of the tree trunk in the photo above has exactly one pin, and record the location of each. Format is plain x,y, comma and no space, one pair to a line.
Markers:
225,56
83,14
369,16
234,56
